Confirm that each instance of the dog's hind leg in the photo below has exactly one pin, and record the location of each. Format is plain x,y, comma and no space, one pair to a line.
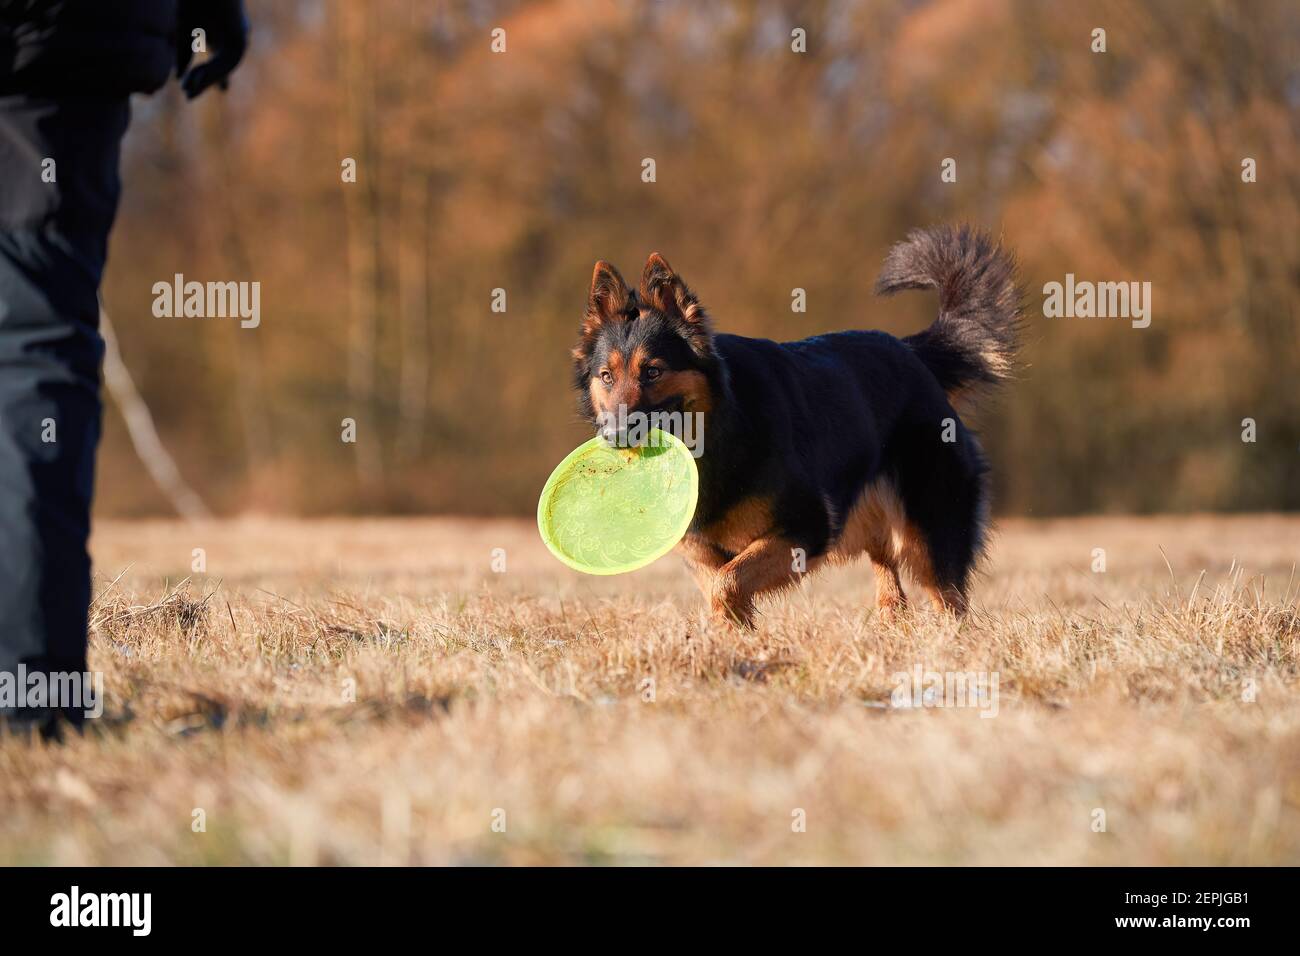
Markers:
947,590
941,549
882,547
945,496
875,527
890,599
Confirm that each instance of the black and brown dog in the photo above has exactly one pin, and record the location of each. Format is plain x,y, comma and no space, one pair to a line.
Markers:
824,448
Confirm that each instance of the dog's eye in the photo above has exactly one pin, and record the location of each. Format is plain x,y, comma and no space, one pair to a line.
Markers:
652,373
606,377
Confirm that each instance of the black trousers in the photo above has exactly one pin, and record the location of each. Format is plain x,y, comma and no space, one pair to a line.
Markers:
59,189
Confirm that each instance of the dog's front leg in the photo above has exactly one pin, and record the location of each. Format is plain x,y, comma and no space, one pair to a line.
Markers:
704,560
768,564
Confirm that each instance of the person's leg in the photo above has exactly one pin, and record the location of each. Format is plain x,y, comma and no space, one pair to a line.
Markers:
57,201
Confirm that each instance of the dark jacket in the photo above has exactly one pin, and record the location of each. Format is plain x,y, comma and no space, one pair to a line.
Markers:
86,47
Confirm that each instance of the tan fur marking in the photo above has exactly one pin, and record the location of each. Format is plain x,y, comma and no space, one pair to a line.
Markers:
762,562
890,598
766,565
625,390
917,556
596,389
634,364
875,525
749,520
691,386
703,560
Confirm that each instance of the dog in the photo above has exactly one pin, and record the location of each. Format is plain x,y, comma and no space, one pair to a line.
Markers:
826,448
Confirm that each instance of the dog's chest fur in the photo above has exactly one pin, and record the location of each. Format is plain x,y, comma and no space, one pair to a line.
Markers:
741,525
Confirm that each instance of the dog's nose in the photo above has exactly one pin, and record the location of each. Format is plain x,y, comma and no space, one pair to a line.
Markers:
614,435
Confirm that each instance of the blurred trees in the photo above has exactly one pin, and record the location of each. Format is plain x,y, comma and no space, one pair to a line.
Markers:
479,171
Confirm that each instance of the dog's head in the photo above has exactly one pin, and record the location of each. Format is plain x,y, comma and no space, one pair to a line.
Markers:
642,350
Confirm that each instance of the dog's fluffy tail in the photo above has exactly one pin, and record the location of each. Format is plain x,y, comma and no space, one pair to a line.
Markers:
973,341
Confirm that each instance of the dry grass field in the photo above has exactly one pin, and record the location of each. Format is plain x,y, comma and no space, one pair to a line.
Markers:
536,716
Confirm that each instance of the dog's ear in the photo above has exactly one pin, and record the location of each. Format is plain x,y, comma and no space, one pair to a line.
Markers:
608,298
607,301
664,290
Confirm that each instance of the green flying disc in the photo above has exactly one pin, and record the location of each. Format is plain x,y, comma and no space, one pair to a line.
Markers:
607,510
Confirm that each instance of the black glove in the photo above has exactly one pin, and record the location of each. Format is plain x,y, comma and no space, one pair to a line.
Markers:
226,26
